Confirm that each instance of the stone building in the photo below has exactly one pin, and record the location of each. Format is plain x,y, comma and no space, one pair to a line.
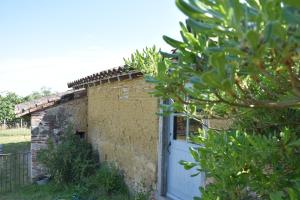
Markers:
50,116
119,118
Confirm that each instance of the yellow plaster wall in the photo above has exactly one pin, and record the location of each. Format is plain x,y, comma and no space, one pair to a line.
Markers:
123,127
222,124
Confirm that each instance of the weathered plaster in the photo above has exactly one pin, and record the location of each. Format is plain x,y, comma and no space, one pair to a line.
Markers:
123,127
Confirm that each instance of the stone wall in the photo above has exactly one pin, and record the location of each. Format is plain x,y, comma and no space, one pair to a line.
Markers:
123,127
52,123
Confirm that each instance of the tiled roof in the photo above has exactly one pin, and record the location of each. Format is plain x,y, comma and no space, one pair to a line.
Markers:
106,76
46,102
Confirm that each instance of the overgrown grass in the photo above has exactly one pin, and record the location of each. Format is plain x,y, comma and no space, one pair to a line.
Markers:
106,184
54,192
15,140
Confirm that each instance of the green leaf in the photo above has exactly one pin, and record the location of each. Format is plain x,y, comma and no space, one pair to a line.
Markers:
227,85
196,174
253,38
294,3
218,61
268,32
292,194
169,55
174,43
211,79
254,4
295,143
197,13
291,15
195,154
187,165
208,7
190,39
237,11
161,69
277,195
201,27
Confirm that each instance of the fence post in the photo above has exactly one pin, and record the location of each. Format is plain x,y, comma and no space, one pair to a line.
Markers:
30,166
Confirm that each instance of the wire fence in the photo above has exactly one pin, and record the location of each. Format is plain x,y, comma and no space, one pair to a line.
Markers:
15,156
16,124
14,171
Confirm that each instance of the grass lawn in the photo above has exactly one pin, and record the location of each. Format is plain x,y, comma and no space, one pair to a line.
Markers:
52,192
15,140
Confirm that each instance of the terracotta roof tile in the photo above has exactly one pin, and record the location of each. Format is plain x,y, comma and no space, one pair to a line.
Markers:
114,74
46,102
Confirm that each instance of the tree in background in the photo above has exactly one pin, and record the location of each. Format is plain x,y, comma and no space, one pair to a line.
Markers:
9,100
237,60
7,106
38,94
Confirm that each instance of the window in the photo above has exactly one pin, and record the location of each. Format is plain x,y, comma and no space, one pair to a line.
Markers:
184,127
180,127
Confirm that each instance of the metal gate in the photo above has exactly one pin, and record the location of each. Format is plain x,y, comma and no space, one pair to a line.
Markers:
14,171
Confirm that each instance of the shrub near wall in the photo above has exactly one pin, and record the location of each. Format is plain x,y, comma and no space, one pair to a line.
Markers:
69,161
247,166
72,164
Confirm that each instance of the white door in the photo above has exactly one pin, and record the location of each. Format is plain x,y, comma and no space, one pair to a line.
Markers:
180,184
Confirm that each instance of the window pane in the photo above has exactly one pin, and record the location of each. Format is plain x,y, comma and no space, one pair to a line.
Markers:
179,128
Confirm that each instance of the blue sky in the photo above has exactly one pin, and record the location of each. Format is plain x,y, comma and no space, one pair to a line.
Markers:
47,43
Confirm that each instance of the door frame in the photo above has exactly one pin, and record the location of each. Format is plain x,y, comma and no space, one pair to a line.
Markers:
163,156
162,162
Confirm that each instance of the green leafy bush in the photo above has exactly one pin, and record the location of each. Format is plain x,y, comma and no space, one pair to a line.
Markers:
69,161
111,179
142,196
108,180
243,166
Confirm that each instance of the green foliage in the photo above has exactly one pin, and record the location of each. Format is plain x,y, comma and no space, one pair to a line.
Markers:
142,196
9,100
238,53
268,121
7,106
232,54
73,162
146,60
69,161
111,179
244,166
108,180
38,94
52,191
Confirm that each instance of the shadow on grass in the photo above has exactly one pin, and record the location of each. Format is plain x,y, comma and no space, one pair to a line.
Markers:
17,147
